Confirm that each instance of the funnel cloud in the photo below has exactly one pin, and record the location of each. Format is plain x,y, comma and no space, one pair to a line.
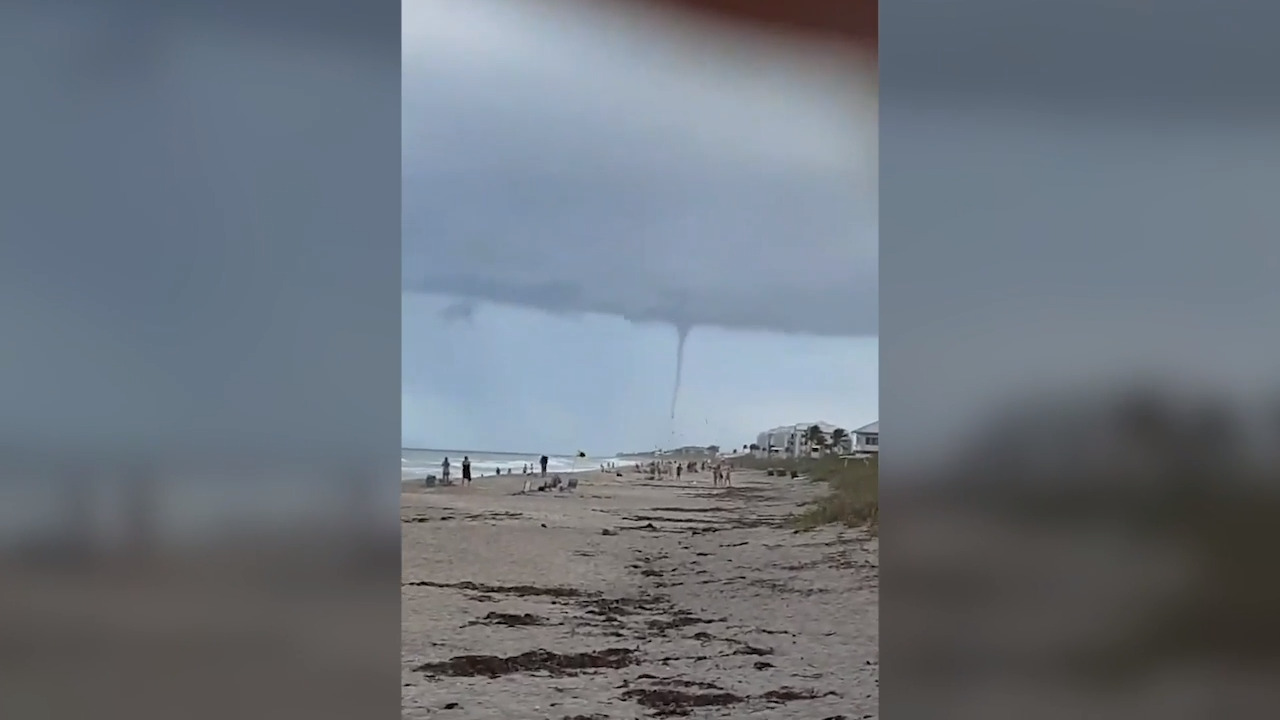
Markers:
683,332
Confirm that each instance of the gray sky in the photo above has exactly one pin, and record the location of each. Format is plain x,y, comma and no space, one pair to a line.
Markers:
523,380
563,164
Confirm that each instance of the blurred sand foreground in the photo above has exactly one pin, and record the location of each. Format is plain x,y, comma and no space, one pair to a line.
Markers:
632,598
286,633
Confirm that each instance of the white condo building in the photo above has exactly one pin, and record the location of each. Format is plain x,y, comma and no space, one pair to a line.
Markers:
792,440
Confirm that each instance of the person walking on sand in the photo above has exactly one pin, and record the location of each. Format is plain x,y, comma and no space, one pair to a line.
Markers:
728,475
466,470
679,472
543,462
444,471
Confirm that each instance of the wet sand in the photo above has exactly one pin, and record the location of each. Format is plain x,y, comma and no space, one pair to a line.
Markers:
630,598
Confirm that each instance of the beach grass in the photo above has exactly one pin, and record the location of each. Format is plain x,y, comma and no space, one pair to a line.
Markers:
853,496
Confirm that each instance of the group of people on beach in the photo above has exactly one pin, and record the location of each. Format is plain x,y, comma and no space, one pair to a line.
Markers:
542,463
446,469
721,469
722,474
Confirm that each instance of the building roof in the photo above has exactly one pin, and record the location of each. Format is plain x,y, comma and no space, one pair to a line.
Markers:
824,426
872,429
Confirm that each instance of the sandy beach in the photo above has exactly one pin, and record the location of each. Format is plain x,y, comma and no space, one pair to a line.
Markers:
632,598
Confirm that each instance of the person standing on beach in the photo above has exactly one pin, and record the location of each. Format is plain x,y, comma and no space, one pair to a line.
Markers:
466,470
679,471
543,462
444,471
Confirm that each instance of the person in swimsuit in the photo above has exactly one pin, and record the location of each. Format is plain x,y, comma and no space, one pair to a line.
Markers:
466,470
444,471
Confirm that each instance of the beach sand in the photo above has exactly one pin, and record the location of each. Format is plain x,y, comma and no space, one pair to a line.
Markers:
631,598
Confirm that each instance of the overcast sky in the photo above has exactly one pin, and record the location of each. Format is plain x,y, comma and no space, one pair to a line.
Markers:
224,336
522,380
567,174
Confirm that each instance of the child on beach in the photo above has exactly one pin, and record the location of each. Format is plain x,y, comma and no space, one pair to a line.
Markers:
466,470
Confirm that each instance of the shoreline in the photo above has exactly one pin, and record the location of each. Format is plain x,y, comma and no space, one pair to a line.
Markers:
421,481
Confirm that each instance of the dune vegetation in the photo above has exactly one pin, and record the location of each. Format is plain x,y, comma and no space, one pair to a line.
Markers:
853,496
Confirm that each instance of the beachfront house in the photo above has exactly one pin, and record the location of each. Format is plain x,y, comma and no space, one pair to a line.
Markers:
866,439
790,440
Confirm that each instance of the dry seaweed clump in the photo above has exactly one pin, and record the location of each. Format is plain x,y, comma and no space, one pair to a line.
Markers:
532,661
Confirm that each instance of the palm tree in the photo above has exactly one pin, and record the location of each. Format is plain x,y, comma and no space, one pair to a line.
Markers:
838,436
815,437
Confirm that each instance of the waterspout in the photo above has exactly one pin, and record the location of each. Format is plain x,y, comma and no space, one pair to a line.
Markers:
682,335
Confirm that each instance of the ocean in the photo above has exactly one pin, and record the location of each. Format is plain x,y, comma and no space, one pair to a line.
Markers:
417,463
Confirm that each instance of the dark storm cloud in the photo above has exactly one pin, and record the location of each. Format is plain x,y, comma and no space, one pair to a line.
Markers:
462,311
544,172
733,256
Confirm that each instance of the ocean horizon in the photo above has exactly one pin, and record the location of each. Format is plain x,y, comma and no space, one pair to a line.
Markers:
417,463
